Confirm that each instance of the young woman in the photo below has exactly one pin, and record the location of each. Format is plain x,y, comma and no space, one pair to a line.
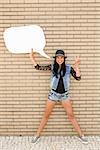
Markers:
60,79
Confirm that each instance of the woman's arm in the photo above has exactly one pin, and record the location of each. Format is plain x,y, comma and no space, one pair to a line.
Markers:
43,67
77,70
32,58
73,73
37,66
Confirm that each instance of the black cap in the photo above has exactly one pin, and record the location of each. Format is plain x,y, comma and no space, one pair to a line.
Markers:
59,52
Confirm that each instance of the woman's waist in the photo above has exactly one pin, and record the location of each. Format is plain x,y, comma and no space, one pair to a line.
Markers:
54,91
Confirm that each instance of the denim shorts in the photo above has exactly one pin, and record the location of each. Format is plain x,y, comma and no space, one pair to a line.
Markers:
54,96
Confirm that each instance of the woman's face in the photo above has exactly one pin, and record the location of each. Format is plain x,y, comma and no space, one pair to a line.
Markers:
59,59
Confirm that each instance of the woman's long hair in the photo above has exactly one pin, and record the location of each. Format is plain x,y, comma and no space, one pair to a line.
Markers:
56,68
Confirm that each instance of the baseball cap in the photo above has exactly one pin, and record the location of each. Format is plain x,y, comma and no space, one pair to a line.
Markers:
59,52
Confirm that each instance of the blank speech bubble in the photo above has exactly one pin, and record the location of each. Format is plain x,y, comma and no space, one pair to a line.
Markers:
23,39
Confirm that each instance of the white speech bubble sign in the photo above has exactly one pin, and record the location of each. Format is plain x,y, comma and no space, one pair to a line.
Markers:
23,39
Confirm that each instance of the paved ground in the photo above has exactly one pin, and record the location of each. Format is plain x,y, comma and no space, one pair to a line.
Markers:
48,143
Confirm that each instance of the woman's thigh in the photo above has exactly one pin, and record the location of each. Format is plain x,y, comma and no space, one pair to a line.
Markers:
68,107
49,106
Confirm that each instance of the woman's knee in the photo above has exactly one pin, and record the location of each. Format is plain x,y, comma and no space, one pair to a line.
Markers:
46,115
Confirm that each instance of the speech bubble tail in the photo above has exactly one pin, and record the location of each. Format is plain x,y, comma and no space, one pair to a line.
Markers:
45,55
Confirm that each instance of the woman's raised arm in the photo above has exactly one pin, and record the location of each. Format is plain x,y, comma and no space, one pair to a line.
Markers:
32,58
37,66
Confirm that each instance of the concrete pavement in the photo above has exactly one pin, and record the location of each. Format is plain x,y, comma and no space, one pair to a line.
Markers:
48,143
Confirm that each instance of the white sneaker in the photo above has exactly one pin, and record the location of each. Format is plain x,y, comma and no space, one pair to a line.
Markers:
83,139
35,139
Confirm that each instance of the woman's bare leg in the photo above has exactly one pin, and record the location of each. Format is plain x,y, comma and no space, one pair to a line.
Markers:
68,108
49,106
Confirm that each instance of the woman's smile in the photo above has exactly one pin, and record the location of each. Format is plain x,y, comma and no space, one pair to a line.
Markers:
59,59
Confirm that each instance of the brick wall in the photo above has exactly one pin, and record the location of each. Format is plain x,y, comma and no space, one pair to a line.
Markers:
72,25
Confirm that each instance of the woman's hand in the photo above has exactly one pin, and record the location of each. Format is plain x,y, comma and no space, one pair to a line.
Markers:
76,66
77,61
31,53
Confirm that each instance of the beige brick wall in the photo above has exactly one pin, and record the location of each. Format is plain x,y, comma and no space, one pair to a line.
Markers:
72,25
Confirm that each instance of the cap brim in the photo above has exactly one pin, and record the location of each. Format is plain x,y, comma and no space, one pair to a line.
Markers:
59,55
